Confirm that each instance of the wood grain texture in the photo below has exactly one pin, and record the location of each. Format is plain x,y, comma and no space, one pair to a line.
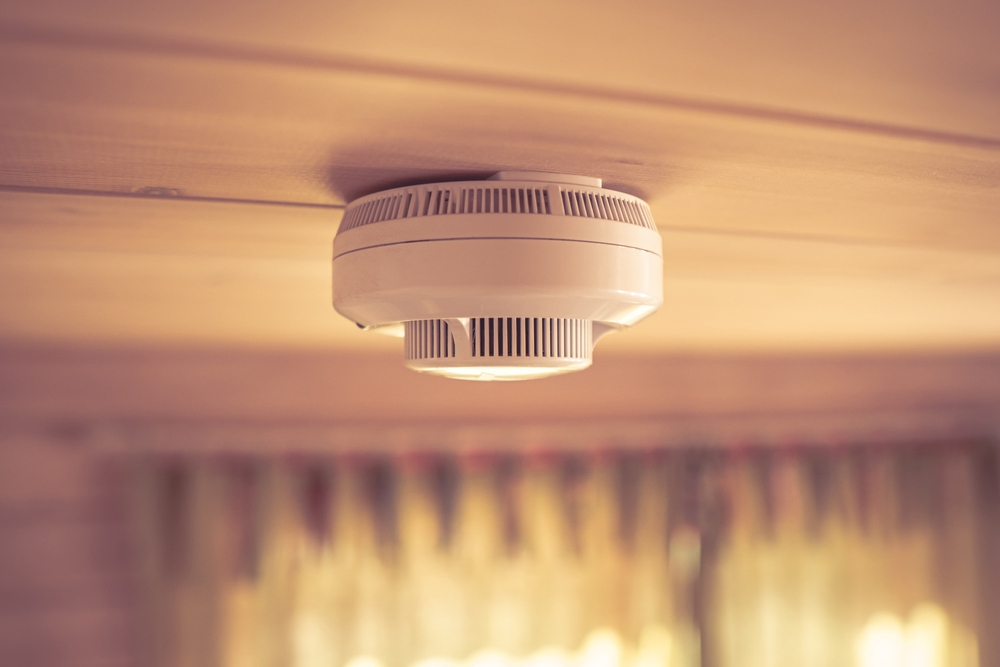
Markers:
56,385
68,592
134,272
888,61
871,227
825,177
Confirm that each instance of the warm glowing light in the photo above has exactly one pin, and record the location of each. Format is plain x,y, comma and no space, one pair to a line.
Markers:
490,658
438,662
311,642
549,657
501,373
364,661
887,642
882,641
655,645
925,637
552,558
601,648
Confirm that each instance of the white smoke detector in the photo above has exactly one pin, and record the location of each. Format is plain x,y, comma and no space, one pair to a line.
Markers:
511,278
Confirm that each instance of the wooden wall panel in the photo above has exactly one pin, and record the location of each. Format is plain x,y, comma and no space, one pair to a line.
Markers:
68,593
67,388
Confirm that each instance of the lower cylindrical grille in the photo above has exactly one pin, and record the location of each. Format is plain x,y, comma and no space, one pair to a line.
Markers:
499,348
429,339
530,337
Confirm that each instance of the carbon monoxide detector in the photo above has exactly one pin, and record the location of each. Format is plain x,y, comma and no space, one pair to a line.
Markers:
510,278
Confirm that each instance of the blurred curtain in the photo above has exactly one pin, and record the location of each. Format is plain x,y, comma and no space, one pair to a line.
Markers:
846,556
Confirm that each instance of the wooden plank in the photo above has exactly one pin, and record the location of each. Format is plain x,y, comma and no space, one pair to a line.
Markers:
84,386
873,61
67,583
44,480
141,272
210,127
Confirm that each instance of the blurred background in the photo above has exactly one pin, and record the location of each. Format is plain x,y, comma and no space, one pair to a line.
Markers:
792,463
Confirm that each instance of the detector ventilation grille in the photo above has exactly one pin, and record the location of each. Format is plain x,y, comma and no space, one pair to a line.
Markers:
424,202
530,337
590,205
496,337
429,339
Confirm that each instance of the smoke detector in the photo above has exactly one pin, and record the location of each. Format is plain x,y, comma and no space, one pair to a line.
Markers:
510,278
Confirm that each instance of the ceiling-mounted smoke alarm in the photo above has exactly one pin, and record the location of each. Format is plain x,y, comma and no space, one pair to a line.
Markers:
510,278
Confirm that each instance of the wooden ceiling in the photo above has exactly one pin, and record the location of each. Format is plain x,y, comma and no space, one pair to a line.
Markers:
826,176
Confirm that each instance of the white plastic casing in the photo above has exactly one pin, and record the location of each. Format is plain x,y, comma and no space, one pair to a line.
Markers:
534,258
